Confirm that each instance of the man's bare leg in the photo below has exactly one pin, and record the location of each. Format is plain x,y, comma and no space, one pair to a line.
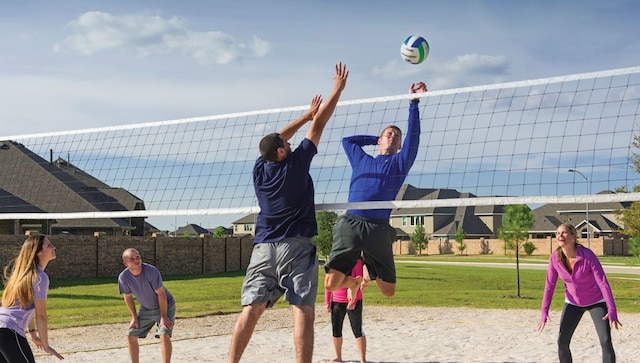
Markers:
335,280
303,318
387,289
134,349
243,330
166,348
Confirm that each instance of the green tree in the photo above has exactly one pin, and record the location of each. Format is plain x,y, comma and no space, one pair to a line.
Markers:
219,231
323,241
419,238
460,236
634,246
517,220
630,217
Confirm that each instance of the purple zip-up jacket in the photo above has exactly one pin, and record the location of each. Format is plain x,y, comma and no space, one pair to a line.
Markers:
586,285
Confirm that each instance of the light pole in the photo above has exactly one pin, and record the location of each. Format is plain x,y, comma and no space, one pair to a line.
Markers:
587,203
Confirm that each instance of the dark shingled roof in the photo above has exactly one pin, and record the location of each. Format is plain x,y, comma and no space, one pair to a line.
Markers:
38,185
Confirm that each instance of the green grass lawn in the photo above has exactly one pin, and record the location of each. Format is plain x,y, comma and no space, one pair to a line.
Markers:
91,301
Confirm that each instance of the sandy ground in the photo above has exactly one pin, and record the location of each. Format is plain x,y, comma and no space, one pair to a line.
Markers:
394,334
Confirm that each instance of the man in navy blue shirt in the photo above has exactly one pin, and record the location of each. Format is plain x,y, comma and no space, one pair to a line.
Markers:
367,231
284,260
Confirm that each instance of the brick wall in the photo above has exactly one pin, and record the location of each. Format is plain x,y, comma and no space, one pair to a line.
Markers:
544,246
89,256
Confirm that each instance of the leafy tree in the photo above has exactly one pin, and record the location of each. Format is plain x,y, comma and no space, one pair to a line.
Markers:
518,219
634,246
419,238
460,236
323,241
219,231
630,217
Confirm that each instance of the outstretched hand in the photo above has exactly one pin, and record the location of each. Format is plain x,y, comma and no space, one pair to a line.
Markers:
313,109
418,87
340,79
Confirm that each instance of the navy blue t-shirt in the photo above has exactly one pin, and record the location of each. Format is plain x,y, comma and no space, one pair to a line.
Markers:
285,195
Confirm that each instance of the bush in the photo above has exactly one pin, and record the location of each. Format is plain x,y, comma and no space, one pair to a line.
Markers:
528,248
634,246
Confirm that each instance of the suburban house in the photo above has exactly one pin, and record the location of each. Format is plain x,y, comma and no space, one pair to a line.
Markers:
483,222
440,222
245,225
31,184
191,230
602,221
443,222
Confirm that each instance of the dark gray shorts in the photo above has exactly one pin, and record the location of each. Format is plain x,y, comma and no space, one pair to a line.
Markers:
289,268
147,318
373,238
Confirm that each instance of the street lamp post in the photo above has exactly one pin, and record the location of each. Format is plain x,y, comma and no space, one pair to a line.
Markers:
587,204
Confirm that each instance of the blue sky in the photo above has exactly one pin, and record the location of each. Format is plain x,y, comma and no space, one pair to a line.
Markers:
79,64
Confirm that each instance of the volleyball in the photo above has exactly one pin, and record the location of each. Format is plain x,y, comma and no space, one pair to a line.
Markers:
415,49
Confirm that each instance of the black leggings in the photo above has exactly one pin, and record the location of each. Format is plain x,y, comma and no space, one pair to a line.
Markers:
14,348
338,311
569,320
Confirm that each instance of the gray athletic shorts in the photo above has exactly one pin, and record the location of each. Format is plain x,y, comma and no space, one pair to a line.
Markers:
372,238
289,268
147,318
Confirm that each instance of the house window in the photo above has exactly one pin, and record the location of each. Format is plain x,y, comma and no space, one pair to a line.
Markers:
404,221
248,227
417,219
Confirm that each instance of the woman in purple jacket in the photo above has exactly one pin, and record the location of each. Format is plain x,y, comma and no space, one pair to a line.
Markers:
586,289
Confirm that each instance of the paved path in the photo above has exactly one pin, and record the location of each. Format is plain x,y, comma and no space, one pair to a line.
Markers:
619,269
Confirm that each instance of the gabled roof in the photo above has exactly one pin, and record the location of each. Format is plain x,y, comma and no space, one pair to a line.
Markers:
53,189
409,192
192,229
466,218
249,218
124,197
601,217
9,203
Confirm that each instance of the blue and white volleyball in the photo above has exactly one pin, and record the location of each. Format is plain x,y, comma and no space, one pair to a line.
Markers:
415,49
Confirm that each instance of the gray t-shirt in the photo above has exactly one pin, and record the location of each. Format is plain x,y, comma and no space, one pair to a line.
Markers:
16,318
144,286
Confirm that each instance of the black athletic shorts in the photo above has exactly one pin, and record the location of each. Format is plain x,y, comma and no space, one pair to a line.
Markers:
373,238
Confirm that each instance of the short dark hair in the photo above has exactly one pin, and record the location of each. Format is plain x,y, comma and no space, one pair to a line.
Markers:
394,128
269,146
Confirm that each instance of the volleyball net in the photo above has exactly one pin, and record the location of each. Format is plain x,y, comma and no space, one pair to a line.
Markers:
510,143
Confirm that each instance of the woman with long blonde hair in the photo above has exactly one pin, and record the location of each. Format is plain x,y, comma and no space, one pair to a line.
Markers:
23,309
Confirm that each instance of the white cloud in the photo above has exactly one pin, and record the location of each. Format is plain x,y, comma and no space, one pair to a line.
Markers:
456,72
475,63
149,35
396,69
